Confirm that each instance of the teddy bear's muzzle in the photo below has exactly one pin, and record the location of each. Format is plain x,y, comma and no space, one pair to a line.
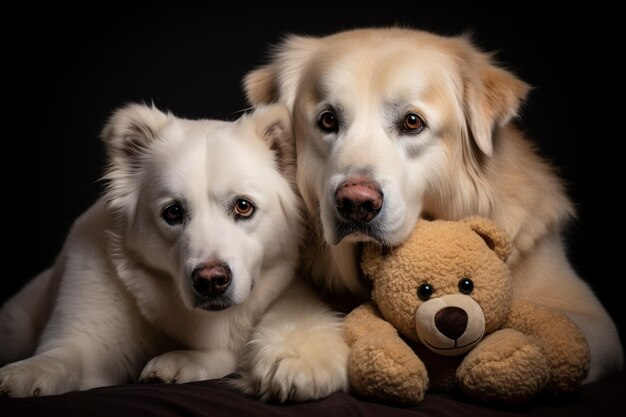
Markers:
450,325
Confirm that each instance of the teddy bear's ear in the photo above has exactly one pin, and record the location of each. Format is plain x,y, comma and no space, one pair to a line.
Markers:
493,236
372,258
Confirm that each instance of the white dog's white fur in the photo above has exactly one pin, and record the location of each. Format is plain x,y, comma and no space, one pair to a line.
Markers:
182,271
419,125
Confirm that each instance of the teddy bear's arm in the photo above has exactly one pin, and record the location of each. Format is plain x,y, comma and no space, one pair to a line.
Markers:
506,367
364,320
561,341
381,366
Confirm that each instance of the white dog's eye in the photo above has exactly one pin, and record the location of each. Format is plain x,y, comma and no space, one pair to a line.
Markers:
327,122
243,208
173,213
413,123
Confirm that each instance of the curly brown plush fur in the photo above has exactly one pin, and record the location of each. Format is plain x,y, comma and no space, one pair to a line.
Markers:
442,315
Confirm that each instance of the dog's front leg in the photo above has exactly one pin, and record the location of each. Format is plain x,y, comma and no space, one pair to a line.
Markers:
180,366
297,352
53,372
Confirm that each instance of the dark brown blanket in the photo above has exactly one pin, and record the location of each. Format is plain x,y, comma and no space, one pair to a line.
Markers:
213,398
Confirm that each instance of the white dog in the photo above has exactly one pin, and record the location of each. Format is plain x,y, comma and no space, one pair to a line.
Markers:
194,243
392,124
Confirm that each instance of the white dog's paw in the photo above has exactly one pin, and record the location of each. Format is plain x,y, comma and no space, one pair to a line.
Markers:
181,366
37,376
303,367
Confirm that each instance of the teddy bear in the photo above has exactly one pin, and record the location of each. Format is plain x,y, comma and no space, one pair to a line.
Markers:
442,317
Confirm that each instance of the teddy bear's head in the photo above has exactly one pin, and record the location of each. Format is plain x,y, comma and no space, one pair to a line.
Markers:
446,286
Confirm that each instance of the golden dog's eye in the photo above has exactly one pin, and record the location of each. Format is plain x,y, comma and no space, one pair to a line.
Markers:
243,208
328,122
413,123
424,291
173,213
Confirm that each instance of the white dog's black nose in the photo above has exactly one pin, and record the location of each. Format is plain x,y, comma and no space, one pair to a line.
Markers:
210,279
358,200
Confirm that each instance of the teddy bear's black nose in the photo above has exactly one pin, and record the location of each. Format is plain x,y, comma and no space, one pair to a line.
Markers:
451,321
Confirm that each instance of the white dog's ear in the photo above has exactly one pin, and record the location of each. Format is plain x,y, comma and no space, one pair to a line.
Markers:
130,131
278,81
493,96
127,135
273,125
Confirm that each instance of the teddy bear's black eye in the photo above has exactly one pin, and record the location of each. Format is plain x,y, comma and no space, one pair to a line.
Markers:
466,286
424,291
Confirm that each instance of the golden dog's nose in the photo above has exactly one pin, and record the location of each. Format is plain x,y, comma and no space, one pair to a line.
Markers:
358,200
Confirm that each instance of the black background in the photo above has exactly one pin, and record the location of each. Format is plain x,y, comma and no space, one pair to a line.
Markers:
83,63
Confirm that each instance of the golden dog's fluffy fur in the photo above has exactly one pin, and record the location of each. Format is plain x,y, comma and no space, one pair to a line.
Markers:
466,159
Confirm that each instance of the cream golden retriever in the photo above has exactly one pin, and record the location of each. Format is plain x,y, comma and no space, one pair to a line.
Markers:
392,124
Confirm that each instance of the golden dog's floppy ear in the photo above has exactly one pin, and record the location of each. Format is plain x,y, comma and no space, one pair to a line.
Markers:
492,97
278,80
260,85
